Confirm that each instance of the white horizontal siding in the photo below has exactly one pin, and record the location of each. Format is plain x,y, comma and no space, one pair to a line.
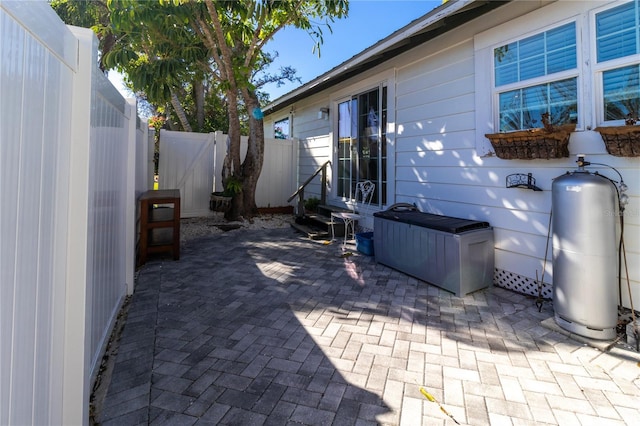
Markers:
434,140
438,168
460,80
314,145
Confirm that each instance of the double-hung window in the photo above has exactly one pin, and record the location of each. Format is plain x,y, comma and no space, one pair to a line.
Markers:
362,148
537,75
578,62
617,34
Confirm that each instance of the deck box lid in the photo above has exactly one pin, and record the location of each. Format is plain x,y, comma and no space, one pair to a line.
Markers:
449,224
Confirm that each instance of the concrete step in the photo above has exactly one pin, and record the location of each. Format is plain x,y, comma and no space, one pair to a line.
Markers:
318,226
326,210
312,232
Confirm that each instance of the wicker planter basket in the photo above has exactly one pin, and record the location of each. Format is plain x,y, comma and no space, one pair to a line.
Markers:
532,144
219,203
621,141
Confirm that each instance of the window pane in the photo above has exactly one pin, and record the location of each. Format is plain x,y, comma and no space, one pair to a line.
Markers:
617,32
354,118
562,59
534,104
534,67
563,101
531,46
281,129
344,148
344,120
510,110
561,37
536,56
506,64
621,92
523,108
506,74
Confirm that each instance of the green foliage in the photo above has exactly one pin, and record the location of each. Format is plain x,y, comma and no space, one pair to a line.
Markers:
232,187
92,14
81,13
170,48
311,204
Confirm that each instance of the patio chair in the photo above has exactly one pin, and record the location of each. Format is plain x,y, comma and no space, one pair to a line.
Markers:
365,189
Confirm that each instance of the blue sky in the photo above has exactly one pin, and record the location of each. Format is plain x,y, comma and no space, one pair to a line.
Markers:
368,22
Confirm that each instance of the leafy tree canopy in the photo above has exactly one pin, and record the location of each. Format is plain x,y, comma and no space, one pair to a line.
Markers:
176,50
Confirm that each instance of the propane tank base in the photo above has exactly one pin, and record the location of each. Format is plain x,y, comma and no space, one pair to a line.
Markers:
583,330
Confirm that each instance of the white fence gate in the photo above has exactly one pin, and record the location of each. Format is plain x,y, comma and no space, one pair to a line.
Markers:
186,163
192,163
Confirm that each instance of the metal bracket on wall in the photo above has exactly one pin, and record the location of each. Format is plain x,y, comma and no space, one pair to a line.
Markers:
520,180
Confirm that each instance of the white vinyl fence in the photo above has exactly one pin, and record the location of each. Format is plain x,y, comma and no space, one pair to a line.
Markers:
192,162
69,145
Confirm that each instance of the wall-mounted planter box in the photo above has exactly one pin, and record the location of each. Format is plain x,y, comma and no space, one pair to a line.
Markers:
533,144
621,141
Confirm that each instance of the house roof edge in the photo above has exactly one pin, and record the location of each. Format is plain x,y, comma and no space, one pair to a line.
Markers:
431,20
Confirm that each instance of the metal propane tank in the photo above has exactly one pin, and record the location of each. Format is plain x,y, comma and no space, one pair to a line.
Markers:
584,218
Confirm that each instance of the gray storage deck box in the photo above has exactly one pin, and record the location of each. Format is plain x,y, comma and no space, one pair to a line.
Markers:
452,253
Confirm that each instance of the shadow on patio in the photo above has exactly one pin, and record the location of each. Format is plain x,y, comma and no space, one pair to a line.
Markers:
267,327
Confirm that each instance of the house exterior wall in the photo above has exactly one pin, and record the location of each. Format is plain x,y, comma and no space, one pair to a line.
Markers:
437,120
313,141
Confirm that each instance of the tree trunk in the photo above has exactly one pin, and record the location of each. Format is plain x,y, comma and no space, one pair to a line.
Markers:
231,167
179,110
169,123
198,95
244,205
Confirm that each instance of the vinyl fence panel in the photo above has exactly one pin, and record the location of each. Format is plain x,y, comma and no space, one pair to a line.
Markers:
37,74
192,162
278,178
144,176
186,163
67,178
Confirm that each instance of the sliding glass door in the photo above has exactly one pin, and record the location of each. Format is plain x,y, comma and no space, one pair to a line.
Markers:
362,151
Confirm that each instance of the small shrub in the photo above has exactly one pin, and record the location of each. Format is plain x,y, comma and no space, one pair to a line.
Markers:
311,204
233,187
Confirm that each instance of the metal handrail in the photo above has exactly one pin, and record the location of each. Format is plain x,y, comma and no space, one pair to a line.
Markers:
323,191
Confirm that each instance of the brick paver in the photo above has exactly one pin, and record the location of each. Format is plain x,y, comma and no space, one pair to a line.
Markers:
269,328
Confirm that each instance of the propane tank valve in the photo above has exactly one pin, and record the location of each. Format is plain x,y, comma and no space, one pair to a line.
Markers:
581,162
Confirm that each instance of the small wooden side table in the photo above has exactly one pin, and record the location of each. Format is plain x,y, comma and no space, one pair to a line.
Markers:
159,224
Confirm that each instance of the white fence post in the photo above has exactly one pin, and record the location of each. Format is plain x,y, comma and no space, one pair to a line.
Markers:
219,153
76,352
130,193
151,161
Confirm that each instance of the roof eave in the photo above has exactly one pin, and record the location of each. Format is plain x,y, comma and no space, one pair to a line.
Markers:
437,22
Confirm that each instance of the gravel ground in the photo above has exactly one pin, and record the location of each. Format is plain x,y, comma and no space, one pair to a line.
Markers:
202,226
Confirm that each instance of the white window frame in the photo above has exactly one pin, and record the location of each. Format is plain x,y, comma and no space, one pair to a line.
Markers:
599,68
590,91
545,79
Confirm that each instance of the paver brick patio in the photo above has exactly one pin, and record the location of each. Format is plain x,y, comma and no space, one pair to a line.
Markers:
270,328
